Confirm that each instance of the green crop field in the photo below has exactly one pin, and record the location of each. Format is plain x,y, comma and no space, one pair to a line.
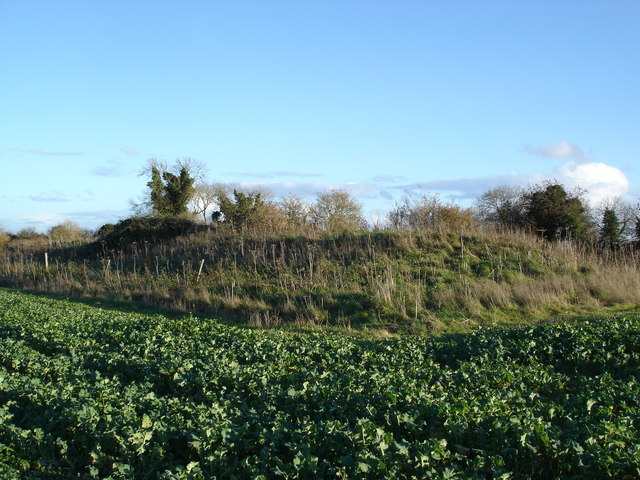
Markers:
99,393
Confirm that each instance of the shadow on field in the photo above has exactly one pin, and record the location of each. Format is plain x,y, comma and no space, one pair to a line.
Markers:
133,306
372,333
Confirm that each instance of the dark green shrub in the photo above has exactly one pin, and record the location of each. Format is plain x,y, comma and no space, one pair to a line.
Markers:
149,229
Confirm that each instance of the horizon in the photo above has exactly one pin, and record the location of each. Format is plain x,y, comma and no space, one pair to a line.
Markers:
376,98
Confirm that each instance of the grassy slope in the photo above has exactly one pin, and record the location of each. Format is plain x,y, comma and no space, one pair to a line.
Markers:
391,281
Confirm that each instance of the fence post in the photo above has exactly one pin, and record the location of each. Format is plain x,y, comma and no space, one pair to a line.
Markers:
200,269
46,261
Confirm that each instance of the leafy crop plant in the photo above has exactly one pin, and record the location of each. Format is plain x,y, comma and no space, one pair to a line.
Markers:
87,392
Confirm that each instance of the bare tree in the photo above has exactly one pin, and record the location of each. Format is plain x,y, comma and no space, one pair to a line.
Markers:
65,233
504,205
636,229
205,198
4,239
336,211
295,211
624,213
427,212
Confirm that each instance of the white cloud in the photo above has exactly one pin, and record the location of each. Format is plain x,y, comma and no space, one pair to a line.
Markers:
561,149
599,179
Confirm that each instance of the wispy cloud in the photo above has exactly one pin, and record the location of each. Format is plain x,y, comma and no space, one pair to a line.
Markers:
311,189
277,174
7,199
42,221
469,188
56,197
130,151
51,153
561,150
599,179
388,178
112,168
96,218
386,195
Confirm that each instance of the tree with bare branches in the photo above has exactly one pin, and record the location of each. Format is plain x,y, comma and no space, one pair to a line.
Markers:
336,211
170,189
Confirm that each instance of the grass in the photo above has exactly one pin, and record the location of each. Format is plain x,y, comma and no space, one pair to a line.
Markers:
392,282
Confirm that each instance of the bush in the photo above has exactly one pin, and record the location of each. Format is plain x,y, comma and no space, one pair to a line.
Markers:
150,229
427,213
4,239
105,230
66,233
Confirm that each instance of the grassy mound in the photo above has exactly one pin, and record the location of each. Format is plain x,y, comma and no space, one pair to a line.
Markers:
395,281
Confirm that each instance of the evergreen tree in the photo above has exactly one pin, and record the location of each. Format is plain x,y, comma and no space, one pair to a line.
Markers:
611,230
240,211
556,214
169,193
178,190
156,192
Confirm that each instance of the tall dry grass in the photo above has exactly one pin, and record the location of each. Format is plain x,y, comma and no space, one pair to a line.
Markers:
391,279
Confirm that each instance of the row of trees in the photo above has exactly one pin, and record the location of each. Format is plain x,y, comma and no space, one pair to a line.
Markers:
557,213
549,209
62,234
174,191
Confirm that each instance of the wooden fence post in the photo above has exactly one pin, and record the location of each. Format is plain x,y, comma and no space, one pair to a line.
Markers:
200,269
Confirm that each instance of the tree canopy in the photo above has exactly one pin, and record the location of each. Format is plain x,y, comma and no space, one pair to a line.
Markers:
610,230
240,211
170,190
557,214
503,205
336,211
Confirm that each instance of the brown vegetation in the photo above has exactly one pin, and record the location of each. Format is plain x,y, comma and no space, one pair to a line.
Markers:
394,280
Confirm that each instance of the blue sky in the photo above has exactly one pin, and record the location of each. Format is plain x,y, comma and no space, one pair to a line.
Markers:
376,97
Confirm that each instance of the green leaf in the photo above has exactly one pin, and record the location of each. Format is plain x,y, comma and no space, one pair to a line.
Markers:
146,421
